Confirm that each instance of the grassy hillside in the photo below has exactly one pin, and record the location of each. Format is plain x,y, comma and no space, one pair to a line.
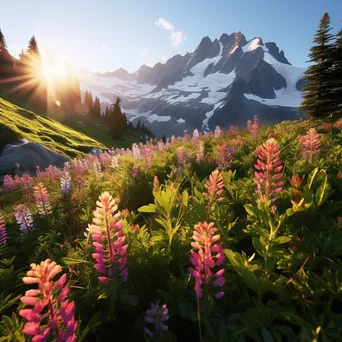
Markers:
270,270
72,136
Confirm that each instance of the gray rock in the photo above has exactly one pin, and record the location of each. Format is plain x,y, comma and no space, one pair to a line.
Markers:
28,155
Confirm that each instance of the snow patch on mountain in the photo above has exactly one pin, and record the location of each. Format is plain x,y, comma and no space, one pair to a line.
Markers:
253,44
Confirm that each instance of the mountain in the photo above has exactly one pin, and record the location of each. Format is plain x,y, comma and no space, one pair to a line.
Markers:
223,82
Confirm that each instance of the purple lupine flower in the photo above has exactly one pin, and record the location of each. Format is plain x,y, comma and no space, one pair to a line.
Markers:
225,156
66,184
23,217
41,197
52,314
205,251
108,240
156,315
136,171
3,233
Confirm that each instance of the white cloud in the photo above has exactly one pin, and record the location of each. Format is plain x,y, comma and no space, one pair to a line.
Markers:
104,47
176,37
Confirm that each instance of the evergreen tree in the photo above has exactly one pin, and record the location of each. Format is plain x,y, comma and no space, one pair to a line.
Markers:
338,73
6,61
106,114
318,90
88,101
33,47
96,109
117,120
164,138
138,124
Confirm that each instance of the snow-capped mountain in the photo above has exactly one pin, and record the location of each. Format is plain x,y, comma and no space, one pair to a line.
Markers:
223,82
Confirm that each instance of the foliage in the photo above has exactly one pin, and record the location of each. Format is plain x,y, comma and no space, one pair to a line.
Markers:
264,230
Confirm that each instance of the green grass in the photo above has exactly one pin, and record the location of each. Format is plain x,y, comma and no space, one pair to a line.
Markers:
72,136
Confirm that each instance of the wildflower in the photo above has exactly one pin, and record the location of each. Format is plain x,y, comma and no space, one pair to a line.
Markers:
66,184
97,168
26,181
3,234
136,152
214,186
9,183
108,240
23,217
51,315
157,315
195,137
41,197
135,228
225,155
155,184
200,152
114,164
182,157
269,166
339,221
339,175
135,171
205,251
217,132
311,143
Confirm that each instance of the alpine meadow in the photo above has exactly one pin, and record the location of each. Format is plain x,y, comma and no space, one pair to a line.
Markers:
198,198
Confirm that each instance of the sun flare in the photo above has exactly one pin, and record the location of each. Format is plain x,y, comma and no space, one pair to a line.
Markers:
54,71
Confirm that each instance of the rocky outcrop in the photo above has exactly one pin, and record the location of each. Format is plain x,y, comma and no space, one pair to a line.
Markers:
28,155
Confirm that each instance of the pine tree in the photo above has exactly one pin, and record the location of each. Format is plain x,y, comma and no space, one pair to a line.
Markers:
96,109
6,62
106,114
338,73
33,47
318,91
116,119
138,124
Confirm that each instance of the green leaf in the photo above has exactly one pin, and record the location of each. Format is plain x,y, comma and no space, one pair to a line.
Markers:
259,247
151,208
282,239
73,261
251,210
185,198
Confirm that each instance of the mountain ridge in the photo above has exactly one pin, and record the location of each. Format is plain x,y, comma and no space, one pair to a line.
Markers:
195,90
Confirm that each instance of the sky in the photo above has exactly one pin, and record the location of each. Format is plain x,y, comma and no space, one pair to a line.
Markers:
104,35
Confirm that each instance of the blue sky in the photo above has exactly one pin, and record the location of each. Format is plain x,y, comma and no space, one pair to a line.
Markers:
104,35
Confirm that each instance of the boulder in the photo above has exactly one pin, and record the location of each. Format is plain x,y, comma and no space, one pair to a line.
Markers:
28,155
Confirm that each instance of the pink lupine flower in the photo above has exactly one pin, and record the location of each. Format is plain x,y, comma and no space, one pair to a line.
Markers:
9,183
205,256
214,186
51,315
232,129
269,166
155,184
311,143
3,233
23,217
26,181
225,155
217,132
182,157
338,124
157,315
147,156
339,221
253,127
66,184
195,136
41,197
200,152
108,240
105,159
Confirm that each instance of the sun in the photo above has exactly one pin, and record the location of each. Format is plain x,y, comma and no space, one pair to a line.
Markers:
53,71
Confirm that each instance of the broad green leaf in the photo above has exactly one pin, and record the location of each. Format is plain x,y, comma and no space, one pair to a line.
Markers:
282,239
251,210
151,208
